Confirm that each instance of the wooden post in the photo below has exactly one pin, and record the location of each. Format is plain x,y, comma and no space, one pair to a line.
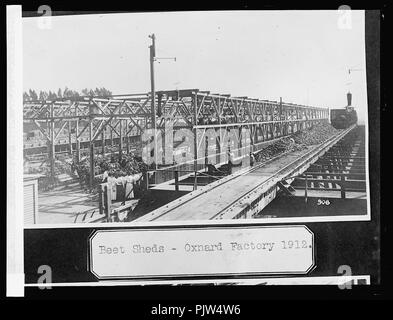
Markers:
121,139
206,153
252,137
48,140
176,180
127,138
195,140
103,142
111,137
280,108
91,145
52,143
124,193
146,178
92,171
305,190
342,186
78,146
218,145
101,200
69,138
108,201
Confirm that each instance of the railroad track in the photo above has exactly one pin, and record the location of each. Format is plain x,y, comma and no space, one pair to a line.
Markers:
164,212
306,159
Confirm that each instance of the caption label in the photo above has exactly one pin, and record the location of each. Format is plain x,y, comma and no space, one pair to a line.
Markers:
201,251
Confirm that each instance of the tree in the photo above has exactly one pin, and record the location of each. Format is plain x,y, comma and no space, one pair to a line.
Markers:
26,96
85,92
43,95
52,95
105,93
97,92
33,95
74,94
67,94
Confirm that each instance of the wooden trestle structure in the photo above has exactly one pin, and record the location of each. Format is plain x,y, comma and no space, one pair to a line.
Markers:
132,114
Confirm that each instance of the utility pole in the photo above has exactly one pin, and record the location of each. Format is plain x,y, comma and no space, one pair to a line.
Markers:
153,94
349,74
349,94
153,58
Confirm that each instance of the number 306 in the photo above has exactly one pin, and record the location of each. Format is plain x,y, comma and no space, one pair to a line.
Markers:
322,202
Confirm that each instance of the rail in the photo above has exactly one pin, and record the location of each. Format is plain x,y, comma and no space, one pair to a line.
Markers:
196,193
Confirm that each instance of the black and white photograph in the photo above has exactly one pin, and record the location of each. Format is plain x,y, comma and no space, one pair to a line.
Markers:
128,118
192,147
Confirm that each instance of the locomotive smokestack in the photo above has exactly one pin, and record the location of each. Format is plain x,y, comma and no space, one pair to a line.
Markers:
349,99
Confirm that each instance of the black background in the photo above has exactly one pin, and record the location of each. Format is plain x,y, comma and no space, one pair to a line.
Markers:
351,243
338,243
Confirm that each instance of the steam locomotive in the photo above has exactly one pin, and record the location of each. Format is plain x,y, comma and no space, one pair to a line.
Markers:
344,118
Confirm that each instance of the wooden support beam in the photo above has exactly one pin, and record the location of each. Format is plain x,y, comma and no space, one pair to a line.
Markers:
61,129
114,127
103,142
195,120
52,145
121,139
146,180
78,144
45,134
108,201
343,187
111,136
92,167
69,138
101,199
91,146
176,180
127,138
84,129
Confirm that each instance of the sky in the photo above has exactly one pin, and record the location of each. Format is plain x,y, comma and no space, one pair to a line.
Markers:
301,56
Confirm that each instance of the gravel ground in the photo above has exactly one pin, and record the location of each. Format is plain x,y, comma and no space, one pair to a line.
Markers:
299,141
